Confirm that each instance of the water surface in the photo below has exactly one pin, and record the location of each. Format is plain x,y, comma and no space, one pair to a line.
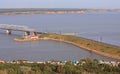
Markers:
97,26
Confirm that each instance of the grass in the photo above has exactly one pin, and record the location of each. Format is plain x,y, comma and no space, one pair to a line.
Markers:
87,43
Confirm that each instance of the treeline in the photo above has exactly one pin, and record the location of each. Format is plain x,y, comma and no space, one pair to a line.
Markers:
52,10
85,66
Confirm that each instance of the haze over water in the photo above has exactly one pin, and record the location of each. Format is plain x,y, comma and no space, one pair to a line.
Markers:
97,26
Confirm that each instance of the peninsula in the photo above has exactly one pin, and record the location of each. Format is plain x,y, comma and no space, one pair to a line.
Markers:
104,49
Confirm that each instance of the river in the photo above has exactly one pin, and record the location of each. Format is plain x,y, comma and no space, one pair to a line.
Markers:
102,27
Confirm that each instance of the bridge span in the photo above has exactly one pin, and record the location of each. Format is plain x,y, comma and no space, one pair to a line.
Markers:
10,27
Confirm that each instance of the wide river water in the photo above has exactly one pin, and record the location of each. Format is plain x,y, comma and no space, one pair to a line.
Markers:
103,27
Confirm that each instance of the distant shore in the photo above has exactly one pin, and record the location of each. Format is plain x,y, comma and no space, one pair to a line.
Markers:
52,11
106,54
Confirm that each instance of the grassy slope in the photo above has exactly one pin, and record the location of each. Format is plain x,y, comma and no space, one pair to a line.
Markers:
103,48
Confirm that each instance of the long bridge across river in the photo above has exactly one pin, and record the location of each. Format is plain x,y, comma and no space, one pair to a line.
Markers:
11,27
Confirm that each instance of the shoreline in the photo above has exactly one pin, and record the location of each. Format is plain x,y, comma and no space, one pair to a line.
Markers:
75,44
52,11
88,49
26,13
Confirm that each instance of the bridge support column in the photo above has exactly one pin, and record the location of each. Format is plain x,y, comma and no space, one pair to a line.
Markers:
8,31
26,33
34,34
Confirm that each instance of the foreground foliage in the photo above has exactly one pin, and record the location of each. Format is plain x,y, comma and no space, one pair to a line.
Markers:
89,67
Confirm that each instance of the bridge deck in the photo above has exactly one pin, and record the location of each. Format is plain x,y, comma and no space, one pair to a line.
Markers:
16,27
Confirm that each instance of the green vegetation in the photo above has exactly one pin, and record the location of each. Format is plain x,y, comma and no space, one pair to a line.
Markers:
89,67
20,38
43,35
101,48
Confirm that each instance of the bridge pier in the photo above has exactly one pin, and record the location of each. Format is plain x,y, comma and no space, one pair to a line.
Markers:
8,31
27,33
34,34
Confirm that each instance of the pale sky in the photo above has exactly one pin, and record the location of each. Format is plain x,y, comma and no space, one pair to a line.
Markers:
114,4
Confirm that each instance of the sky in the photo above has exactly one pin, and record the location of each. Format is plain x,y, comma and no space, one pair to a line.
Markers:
106,4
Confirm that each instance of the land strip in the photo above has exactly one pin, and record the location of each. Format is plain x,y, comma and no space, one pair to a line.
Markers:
51,11
103,49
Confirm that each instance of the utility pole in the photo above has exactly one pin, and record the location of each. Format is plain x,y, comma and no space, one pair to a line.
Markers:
101,39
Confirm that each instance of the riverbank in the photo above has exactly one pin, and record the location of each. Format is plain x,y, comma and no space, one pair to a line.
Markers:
51,11
90,45
91,50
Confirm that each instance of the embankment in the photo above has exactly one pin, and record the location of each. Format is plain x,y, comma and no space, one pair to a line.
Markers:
90,45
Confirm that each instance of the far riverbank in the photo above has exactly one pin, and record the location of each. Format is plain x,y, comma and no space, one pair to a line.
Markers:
52,11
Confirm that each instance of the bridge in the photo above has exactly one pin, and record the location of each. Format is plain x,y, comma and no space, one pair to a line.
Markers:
10,27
